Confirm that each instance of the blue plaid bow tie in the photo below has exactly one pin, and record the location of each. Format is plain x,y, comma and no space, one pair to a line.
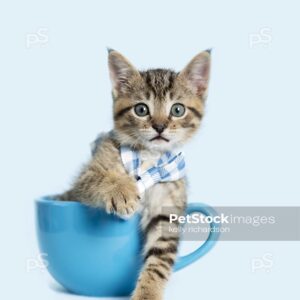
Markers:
169,167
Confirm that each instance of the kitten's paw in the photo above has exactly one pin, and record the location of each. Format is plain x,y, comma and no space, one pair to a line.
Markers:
122,202
121,197
150,285
143,294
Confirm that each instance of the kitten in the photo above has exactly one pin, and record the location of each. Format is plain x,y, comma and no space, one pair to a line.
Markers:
154,111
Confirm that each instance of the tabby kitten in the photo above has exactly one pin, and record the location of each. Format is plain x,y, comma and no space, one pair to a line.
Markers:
154,111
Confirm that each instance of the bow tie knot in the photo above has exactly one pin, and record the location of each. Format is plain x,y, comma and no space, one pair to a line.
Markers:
169,167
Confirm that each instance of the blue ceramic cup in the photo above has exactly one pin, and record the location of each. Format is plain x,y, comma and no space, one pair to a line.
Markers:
92,253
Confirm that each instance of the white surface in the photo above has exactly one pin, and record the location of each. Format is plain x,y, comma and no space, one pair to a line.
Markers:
55,98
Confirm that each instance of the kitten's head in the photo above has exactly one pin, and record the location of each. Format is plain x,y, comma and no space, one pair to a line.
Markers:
159,108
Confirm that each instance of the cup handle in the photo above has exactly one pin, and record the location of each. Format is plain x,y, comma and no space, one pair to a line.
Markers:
184,261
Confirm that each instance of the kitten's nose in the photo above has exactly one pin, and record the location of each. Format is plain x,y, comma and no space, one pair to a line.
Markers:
159,127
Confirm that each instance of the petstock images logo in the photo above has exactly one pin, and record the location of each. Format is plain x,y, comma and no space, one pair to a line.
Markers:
238,224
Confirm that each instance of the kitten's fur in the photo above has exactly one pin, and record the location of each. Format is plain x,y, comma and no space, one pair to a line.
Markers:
104,181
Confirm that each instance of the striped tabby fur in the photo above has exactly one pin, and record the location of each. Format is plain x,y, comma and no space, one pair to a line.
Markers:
103,182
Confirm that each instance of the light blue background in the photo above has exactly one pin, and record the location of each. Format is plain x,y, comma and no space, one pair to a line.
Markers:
55,98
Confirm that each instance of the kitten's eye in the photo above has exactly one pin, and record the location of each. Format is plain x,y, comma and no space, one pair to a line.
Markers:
141,110
177,110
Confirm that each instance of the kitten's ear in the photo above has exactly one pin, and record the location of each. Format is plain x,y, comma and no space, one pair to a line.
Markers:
196,74
121,71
